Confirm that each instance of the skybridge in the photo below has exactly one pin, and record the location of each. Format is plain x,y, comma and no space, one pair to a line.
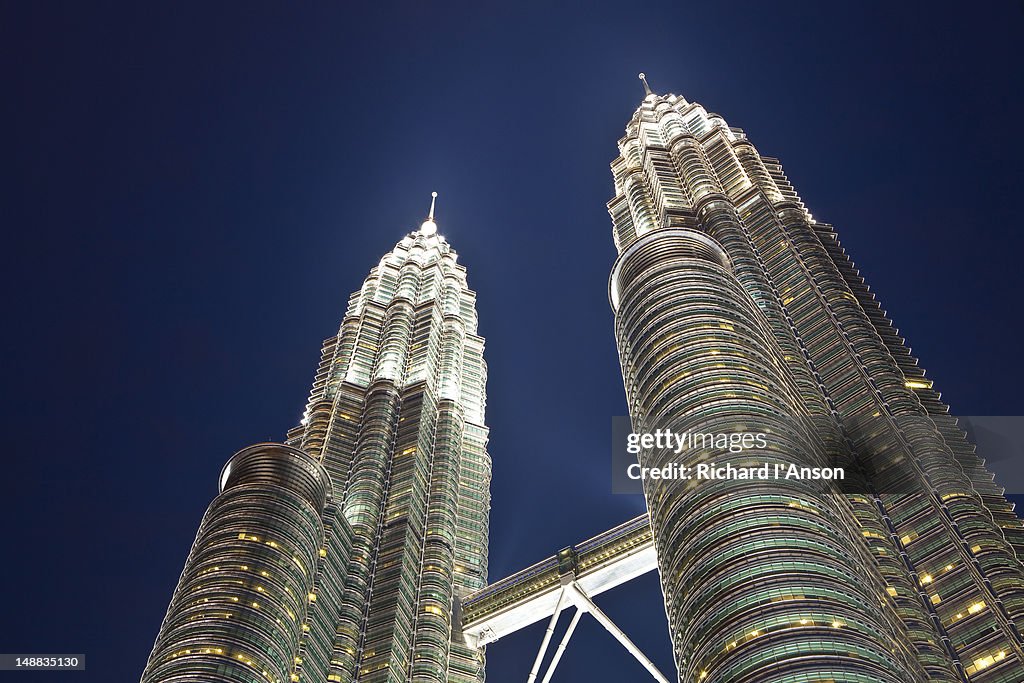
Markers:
573,577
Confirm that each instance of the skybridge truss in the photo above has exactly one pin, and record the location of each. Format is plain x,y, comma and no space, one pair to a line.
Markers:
570,578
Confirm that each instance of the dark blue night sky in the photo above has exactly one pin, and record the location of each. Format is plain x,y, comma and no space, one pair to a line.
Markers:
192,190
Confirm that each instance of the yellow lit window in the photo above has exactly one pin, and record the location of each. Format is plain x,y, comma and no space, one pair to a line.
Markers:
984,662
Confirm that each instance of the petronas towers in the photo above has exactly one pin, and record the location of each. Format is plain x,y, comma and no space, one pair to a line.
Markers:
736,311
342,554
346,552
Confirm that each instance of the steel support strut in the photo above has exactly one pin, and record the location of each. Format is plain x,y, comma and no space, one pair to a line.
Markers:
572,591
562,644
589,606
547,636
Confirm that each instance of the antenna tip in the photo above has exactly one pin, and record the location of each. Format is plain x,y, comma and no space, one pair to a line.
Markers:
643,78
429,227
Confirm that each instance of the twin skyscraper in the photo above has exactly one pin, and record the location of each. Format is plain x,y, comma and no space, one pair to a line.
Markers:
356,550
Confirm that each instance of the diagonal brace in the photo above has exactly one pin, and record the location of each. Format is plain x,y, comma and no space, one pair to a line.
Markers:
562,594
562,644
584,602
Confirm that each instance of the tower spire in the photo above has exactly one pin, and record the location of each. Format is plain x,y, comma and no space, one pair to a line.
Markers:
647,88
429,227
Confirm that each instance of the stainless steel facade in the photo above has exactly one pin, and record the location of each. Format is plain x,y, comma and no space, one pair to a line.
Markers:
240,608
343,554
734,307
